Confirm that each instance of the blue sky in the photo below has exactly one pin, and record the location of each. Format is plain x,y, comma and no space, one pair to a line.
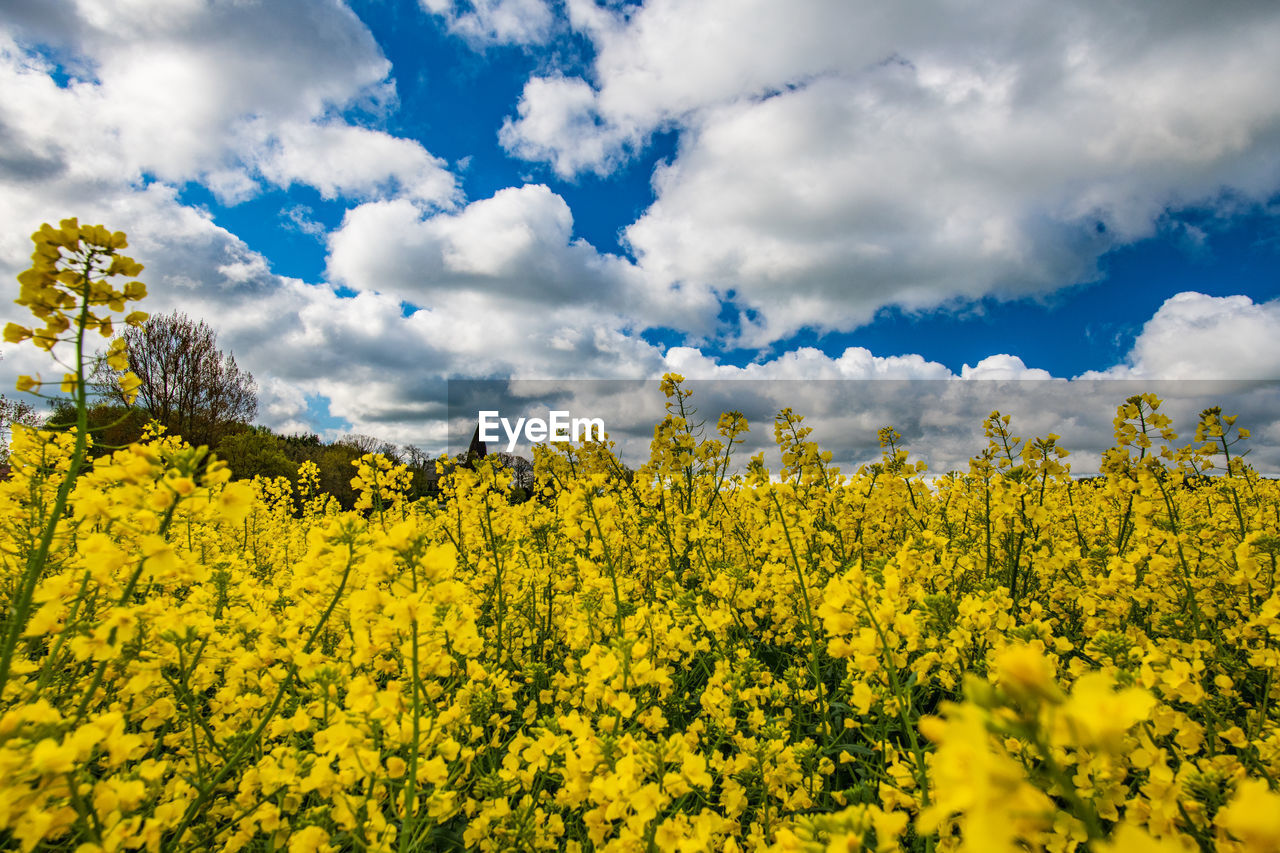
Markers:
369,198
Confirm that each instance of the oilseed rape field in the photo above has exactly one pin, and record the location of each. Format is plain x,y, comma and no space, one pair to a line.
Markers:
699,655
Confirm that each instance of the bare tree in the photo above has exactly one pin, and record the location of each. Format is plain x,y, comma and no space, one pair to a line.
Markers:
415,457
521,469
188,384
369,444
422,465
14,412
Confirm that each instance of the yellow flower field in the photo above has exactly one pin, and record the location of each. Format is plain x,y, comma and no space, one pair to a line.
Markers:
687,659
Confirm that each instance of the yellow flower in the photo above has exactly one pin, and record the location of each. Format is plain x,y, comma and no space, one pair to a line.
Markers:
433,771
981,784
694,770
15,334
1253,816
129,384
635,658
1026,673
310,839
1099,716
235,501
52,758
1128,838
161,558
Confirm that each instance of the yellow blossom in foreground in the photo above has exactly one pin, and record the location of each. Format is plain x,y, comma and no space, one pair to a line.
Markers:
684,657
1253,816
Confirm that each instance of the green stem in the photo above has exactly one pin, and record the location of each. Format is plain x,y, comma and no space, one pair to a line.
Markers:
20,612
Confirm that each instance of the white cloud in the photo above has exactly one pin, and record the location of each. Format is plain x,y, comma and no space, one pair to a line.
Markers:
1003,367
341,160
299,217
499,265
491,22
514,249
282,403
554,110
807,363
1194,336
225,94
228,94
838,157
381,371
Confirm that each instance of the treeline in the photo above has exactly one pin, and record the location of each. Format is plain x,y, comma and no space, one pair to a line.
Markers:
193,389
257,451
253,451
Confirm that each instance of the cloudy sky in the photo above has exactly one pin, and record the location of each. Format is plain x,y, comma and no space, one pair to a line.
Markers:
369,198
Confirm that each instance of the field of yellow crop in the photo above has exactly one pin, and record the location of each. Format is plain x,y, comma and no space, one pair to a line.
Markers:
684,659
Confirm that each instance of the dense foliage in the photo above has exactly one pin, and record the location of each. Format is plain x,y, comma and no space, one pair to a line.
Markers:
684,659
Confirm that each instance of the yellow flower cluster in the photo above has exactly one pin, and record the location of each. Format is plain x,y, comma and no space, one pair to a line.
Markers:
68,278
687,658
379,483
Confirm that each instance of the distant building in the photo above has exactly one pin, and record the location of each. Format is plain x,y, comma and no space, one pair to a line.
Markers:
476,450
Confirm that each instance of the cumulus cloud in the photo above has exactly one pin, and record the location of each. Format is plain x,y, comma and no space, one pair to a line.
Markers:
1194,336
341,160
1003,367
807,363
554,110
231,95
515,248
838,157
491,272
491,22
382,369
225,94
